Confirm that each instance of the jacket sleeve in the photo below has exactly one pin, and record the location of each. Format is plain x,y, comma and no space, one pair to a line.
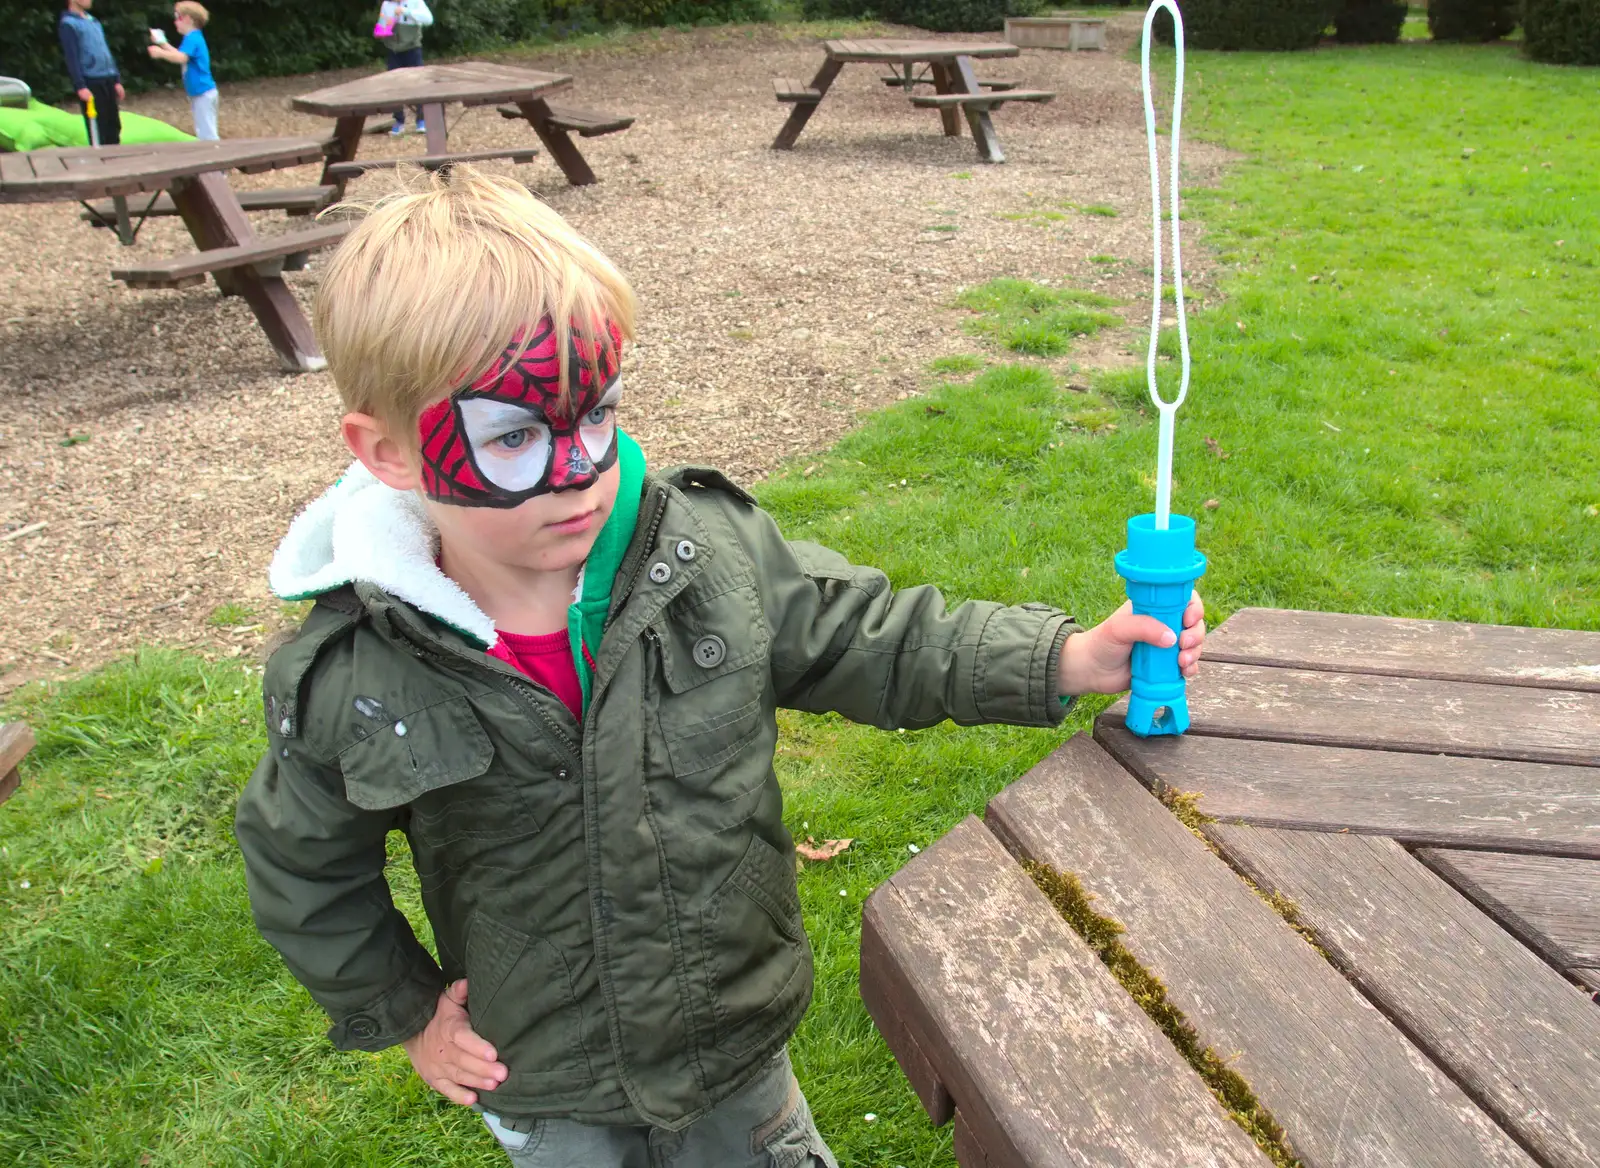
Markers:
844,641
314,864
69,49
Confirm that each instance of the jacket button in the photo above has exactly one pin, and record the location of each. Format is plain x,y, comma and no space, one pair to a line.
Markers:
709,651
563,774
685,550
363,1027
660,571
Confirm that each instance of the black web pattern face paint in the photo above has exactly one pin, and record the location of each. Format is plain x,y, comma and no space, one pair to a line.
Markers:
504,438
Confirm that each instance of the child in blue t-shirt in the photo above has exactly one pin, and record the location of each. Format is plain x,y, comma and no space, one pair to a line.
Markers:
195,57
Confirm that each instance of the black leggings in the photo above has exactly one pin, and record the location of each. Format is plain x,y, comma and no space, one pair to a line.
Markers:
409,59
108,118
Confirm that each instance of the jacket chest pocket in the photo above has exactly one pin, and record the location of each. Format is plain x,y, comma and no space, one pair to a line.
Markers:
714,655
438,760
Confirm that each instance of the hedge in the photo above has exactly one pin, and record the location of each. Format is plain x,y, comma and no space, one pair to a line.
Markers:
1271,25
272,38
1562,32
1369,22
935,15
1471,20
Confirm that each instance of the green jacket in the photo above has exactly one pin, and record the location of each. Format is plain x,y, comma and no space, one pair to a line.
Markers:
620,894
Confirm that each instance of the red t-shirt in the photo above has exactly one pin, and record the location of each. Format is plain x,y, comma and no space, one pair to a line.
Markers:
546,659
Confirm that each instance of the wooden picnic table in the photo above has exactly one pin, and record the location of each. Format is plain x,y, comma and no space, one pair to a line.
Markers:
471,83
1386,918
957,88
242,262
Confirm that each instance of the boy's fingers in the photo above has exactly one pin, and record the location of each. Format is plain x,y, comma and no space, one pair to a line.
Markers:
454,1091
473,1046
456,991
1148,629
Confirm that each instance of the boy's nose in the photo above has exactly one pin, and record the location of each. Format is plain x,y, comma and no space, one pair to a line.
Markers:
572,469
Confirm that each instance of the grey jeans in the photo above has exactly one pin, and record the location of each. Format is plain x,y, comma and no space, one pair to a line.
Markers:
767,1124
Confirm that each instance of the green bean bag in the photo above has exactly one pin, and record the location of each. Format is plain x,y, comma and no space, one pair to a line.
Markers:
42,125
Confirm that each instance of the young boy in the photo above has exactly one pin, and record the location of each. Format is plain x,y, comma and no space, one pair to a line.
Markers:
93,70
194,56
558,674
405,19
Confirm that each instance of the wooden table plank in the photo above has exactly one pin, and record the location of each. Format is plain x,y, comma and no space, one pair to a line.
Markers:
1507,1026
1553,904
892,51
1446,650
1417,798
1392,713
1347,1086
1047,1059
468,82
16,740
84,173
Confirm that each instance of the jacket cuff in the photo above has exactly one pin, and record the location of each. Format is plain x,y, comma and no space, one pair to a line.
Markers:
401,1011
1019,677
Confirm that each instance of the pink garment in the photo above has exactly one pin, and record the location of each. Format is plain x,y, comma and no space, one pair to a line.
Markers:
546,659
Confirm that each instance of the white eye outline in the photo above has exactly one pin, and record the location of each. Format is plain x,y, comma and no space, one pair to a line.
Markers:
598,438
514,470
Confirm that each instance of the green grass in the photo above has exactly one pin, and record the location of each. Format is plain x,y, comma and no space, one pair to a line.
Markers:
140,1015
1033,320
956,365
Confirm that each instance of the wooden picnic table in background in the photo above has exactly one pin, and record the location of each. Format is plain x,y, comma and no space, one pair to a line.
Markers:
957,88
242,262
430,87
1416,806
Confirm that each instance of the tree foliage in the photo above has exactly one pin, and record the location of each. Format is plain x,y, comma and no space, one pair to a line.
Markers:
271,38
1271,25
1471,20
1562,32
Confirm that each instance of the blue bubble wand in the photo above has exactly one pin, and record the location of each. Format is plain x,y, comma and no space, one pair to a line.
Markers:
1160,563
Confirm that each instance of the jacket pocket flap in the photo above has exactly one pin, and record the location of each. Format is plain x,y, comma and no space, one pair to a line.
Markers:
493,949
703,638
429,748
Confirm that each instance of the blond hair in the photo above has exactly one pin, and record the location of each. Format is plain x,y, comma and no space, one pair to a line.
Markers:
195,12
439,280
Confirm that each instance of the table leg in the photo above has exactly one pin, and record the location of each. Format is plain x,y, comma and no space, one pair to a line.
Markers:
342,147
944,82
802,111
982,128
433,115
558,142
119,204
212,213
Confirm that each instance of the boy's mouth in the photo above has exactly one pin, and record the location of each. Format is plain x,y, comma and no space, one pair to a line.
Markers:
578,523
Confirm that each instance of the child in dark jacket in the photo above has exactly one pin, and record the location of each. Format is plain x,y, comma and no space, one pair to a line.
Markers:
93,70
558,674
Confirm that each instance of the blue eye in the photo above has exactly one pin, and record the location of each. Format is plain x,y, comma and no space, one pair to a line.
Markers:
514,440
596,416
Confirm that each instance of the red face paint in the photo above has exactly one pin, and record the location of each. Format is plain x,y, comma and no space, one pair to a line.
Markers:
504,438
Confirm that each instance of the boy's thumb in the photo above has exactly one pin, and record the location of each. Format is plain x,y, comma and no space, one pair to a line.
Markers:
457,991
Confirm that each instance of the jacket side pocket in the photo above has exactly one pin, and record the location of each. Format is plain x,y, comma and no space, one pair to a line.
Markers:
519,996
756,952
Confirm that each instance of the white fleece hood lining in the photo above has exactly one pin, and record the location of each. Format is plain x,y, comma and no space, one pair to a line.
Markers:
361,531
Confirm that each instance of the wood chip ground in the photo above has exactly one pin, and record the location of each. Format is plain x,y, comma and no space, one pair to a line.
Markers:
782,295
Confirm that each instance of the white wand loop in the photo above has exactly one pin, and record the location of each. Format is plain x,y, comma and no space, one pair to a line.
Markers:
1167,410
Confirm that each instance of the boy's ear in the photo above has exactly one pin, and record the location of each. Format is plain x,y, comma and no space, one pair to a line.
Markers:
391,463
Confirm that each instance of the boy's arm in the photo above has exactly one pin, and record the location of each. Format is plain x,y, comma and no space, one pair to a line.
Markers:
845,641
314,863
69,49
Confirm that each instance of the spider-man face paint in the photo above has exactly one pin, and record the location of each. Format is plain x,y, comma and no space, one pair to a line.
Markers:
505,438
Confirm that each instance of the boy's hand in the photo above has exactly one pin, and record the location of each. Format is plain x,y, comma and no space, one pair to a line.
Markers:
450,1056
122,94
1097,661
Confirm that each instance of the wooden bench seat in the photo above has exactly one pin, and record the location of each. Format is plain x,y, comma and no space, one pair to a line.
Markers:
348,170
294,200
16,739
182,271
586,123
994,83
793,90
979,101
